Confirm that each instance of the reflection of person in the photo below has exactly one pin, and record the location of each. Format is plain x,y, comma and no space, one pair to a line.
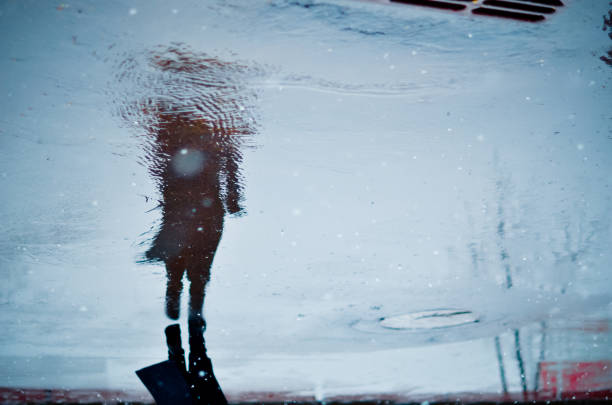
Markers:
194,126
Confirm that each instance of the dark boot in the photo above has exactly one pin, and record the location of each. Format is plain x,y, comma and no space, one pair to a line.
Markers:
176,354
205,387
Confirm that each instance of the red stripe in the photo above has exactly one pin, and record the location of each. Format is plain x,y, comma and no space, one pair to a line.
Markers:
21,395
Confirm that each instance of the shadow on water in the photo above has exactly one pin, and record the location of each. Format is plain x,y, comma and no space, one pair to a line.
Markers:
192,116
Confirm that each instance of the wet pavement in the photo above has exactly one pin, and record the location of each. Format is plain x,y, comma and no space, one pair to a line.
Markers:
337,200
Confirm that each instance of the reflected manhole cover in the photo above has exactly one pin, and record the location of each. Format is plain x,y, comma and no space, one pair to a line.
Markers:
437,318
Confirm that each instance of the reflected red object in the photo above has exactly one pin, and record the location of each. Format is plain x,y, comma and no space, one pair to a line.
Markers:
565,380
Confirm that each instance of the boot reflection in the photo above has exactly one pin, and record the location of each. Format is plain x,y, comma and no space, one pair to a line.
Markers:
203,386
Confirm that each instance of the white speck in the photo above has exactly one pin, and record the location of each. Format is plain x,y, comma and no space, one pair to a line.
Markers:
94,203
386,56
339,236
293,243
414,157
392,67
591,83
580,146
436,253
480,138
296,212
449,129
423,72
133,11
83,308
133,184
470,35
184,151
330,50
202,373
200,229
413,53
174,11
528,98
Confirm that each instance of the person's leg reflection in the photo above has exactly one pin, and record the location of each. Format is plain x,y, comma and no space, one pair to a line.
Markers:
198,271
175,268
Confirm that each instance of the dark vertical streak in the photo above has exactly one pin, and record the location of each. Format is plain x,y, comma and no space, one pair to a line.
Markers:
501,233
500,362
501,224
540,359
474,257
521,365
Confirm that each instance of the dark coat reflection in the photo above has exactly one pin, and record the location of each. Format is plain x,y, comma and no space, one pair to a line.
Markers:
194,163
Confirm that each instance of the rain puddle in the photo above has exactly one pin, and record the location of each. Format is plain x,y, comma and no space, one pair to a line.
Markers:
319,185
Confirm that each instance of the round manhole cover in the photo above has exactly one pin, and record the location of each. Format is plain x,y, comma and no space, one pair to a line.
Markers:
437,318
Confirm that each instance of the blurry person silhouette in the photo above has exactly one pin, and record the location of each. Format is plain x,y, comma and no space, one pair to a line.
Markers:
194,126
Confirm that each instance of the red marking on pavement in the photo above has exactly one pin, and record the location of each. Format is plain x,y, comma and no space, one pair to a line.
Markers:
50,396
562,380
